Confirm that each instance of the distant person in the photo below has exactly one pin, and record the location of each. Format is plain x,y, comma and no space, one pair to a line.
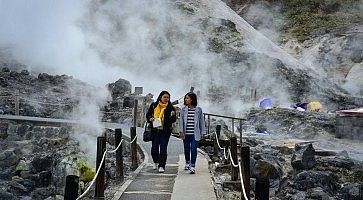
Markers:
161,115
192,126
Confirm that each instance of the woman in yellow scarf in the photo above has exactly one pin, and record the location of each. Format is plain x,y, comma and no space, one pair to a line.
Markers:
161,115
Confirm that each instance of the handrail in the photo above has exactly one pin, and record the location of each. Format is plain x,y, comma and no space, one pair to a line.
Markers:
100,166
234,165
224,116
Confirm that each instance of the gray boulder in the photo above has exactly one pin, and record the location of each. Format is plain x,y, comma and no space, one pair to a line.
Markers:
304,157
313,179
120,88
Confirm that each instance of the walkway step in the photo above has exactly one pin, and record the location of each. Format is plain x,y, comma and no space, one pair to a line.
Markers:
151,185
194,186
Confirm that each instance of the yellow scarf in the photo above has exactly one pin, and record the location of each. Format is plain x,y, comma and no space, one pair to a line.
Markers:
159,111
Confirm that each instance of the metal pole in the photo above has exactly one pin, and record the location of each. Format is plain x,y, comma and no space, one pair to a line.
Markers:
100,180
233,128
234,170
209,125
240,132
134,160
218,133
119,158
71,190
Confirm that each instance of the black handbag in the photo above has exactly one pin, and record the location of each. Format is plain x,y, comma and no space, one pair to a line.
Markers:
147,136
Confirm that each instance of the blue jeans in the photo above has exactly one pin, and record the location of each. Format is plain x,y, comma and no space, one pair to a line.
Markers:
190,149
159,147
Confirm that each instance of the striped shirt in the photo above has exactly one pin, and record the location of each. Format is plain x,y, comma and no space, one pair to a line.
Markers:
190,121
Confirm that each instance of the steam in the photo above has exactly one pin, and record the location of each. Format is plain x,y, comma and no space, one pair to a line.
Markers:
150,43
266,19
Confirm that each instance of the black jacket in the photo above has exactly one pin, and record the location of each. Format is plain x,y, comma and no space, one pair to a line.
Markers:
168,119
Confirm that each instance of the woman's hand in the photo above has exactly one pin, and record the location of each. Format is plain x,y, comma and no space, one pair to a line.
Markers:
152,119
182,135
172,113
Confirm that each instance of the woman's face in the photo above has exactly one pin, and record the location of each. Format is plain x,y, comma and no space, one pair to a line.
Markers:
165,98
187,100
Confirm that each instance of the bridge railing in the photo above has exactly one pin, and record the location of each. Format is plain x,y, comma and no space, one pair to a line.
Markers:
72,181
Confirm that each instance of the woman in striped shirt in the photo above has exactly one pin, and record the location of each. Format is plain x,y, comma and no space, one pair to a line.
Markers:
192,126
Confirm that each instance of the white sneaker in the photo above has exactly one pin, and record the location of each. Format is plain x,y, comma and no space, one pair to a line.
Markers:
155,166
161,170
192,170
186,167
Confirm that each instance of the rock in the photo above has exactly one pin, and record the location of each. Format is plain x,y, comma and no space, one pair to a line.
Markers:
312,179
319,31
6,195
337,161
8,158
120,88
42,193
351,191
357,56
318,193
41,163
23,129
24,72
44,77
26,198
304,158
17,189
127,103
45,178
5,69
266,169
12,131
22,166
3,131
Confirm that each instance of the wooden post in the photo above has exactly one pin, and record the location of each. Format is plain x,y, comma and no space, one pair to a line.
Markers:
17,112
134,160
135,113
262,188
234,170
100,180
119,158
245,159
71,190
218,133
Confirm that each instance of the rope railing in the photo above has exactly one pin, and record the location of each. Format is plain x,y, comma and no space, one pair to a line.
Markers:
233,164
100,166
222,148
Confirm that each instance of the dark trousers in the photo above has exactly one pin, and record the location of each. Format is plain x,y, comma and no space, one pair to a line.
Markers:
190,149
159,147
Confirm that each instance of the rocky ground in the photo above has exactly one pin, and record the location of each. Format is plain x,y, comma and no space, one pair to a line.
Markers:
35,157
298,152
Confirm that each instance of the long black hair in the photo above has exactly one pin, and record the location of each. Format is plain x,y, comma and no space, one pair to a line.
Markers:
161,94
193,97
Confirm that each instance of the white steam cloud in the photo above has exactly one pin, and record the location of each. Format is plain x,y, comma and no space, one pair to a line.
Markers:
149,42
